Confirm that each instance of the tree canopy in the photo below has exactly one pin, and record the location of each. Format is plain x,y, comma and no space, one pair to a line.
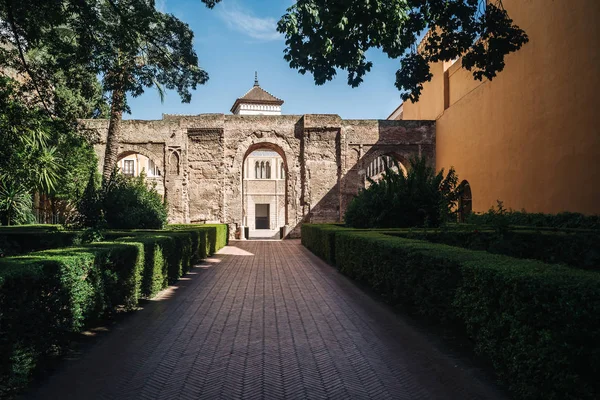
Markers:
129,43
325,35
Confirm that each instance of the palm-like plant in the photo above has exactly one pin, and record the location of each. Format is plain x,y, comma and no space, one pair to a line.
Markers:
421,197
16,204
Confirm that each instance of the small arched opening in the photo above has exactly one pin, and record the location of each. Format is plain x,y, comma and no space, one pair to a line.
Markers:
465,201
174,164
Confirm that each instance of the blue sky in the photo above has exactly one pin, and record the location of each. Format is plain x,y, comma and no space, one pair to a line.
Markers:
237,38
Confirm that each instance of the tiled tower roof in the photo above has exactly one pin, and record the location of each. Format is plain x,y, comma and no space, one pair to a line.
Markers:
257,95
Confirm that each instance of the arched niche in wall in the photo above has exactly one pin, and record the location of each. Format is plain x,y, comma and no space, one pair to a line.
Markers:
465,201
174,163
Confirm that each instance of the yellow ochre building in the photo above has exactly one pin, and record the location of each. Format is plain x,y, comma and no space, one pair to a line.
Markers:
530,137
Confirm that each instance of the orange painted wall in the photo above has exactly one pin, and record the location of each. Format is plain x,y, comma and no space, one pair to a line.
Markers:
530,137
431,103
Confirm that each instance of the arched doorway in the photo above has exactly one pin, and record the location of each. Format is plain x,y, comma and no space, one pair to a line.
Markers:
465,201
132,164
264,191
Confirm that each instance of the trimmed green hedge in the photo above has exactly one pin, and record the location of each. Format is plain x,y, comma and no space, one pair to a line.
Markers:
218,234
569,220
173,251
579,250
320,239
537,323
47,296
27,239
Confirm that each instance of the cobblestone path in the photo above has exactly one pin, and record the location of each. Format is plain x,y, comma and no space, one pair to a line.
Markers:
264,320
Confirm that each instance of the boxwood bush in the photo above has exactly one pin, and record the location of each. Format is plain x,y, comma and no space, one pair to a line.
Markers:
320,239
217,234
564,220
47,296
537,323
24,239
576,249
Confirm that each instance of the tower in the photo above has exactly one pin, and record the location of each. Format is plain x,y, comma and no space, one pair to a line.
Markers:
257,101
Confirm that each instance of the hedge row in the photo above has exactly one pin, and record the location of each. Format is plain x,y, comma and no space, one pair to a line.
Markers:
537,323
15,240
19,241
218,234
579,250
320,239
47,296
567,220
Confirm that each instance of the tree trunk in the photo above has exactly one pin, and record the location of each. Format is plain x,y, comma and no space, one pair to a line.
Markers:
114,134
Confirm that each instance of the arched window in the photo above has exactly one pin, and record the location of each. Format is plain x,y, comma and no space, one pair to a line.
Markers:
268,170
257,171
465,201
262,170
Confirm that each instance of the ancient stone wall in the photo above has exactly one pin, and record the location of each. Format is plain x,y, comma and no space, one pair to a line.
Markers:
201,159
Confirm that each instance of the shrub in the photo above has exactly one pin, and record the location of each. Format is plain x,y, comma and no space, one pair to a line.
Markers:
124,203
46,296
576,249
217,235
537,323
89,207
128,203
568,220
16,204
157,248
171,253
14,242
420,198
320,239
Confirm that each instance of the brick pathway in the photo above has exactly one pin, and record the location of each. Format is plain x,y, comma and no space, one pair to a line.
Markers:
264,320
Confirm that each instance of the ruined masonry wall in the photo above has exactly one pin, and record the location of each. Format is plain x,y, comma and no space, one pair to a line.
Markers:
201,158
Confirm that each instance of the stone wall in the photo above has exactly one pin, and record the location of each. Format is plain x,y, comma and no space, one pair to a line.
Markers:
201,158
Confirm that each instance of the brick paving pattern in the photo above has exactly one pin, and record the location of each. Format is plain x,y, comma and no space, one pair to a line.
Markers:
264,320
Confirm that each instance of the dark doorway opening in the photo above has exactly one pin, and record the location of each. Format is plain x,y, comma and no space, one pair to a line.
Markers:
465,201
262,216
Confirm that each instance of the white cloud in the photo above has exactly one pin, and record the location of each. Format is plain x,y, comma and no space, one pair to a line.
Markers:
242,20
